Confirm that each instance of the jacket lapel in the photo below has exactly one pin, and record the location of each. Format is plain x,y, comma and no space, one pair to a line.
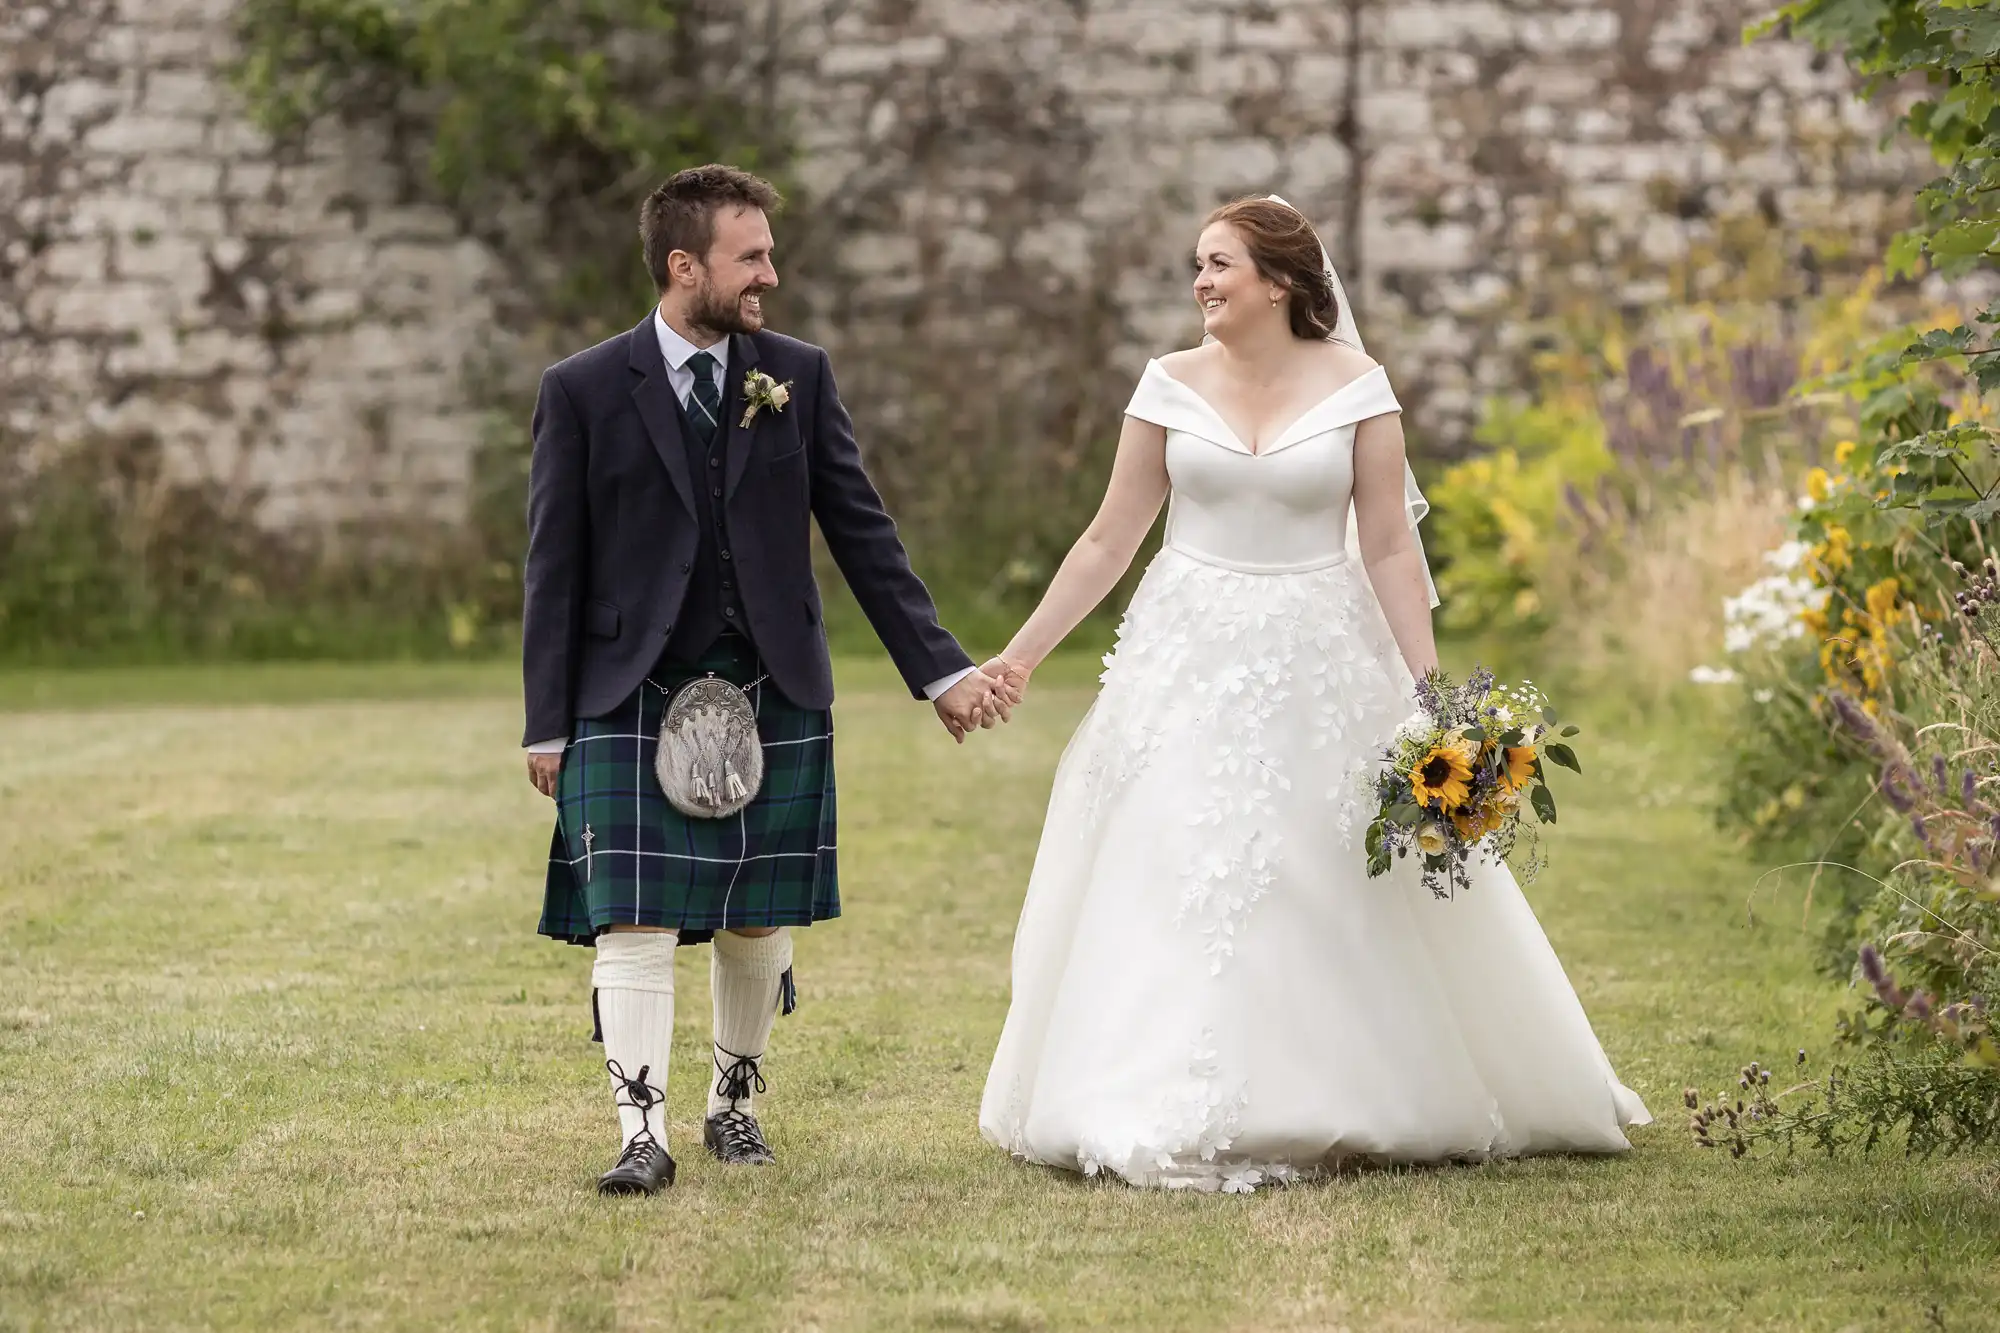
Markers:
743,358
659,408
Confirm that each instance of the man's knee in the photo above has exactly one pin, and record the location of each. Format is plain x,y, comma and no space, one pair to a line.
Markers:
753,932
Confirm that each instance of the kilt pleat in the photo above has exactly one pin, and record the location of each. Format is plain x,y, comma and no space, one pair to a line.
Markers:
645,863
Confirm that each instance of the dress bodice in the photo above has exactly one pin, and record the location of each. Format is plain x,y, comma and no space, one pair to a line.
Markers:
1283,510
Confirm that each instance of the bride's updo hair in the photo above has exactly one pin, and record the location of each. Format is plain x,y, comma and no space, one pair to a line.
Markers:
1286,250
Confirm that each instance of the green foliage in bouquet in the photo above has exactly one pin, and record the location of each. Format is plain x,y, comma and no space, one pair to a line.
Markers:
1455,776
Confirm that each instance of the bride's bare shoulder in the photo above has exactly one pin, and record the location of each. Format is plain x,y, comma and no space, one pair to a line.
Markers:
1340,362
1187,359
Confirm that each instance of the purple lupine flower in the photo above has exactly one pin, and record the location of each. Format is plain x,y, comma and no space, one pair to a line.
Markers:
1877,974
1894,790
1919,1006
1940,776
1923,833
1968,790
1853,716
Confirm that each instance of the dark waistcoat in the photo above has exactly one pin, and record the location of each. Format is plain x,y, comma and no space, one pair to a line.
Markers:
713,604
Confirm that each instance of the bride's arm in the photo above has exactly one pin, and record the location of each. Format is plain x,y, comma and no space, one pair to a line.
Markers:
1395,564
1101,556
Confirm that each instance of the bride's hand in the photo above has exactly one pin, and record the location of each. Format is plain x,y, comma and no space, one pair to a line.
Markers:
1013,677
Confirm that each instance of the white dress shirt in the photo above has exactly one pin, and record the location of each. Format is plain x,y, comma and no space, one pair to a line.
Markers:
678,351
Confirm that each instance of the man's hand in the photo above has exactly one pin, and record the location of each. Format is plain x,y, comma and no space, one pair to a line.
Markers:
542,771
976,701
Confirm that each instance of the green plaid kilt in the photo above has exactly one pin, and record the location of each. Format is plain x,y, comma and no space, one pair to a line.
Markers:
648,864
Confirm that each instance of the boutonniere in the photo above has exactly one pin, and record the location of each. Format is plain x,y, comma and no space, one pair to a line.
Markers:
761,391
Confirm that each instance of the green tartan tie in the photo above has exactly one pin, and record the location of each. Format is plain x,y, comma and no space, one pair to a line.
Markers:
705,403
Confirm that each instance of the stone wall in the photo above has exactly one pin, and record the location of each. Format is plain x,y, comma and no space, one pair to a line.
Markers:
996,202
291,324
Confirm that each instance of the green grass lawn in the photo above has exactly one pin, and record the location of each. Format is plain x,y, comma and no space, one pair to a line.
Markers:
279,1048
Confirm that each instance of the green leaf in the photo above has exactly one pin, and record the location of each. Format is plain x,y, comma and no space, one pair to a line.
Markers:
1905,258
1571,731
1514,737
1549,716
1477,735
1565,756
1985,369
1941,342
1545,804
1961,242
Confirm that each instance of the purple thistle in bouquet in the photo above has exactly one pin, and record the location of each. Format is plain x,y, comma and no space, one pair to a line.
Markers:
1460,776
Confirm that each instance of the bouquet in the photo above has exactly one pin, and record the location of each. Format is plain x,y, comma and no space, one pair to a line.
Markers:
1457,776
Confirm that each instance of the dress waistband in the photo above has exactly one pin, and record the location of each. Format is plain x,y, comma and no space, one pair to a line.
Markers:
1243,567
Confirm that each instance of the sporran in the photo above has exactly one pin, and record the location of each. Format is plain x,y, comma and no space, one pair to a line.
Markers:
710,763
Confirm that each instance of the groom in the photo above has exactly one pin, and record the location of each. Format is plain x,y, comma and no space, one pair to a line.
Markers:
676,471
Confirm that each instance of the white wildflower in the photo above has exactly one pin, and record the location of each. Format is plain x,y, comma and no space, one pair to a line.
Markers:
1708,675
1767,612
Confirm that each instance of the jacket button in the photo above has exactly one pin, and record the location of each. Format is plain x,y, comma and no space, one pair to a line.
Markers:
725,555
729,611
685,566
716,491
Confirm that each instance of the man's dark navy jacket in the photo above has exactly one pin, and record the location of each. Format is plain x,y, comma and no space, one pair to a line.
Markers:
614,537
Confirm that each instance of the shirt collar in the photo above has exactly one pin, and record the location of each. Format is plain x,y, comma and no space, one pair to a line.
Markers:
677,349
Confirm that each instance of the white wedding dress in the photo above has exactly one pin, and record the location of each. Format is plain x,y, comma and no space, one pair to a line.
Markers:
1209,991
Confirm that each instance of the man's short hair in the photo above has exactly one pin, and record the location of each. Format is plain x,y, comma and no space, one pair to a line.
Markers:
680,214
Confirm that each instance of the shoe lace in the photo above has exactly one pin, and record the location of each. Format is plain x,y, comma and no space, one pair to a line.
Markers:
643,1097
738,1132
738,1078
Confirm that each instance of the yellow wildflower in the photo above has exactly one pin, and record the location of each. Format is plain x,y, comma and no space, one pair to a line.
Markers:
1818,484
1881,600
1843,451
1837,552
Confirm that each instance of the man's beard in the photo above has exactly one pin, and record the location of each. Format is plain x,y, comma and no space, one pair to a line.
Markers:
711,312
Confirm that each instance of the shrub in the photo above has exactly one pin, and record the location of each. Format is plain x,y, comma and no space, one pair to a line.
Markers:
105,555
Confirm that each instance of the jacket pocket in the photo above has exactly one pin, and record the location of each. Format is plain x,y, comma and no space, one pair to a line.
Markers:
601,619
787,459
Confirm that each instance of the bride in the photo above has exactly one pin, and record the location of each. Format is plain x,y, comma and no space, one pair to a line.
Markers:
1208,990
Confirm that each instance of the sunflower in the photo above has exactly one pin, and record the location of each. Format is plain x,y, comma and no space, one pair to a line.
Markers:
1472,825
1443,777
1519,769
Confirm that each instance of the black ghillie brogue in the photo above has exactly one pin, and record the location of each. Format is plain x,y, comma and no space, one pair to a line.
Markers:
734,1135
645,1167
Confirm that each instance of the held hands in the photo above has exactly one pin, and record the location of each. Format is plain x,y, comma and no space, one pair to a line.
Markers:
1012,675
978,701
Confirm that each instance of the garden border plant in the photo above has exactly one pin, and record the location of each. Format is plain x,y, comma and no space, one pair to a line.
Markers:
1908,674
